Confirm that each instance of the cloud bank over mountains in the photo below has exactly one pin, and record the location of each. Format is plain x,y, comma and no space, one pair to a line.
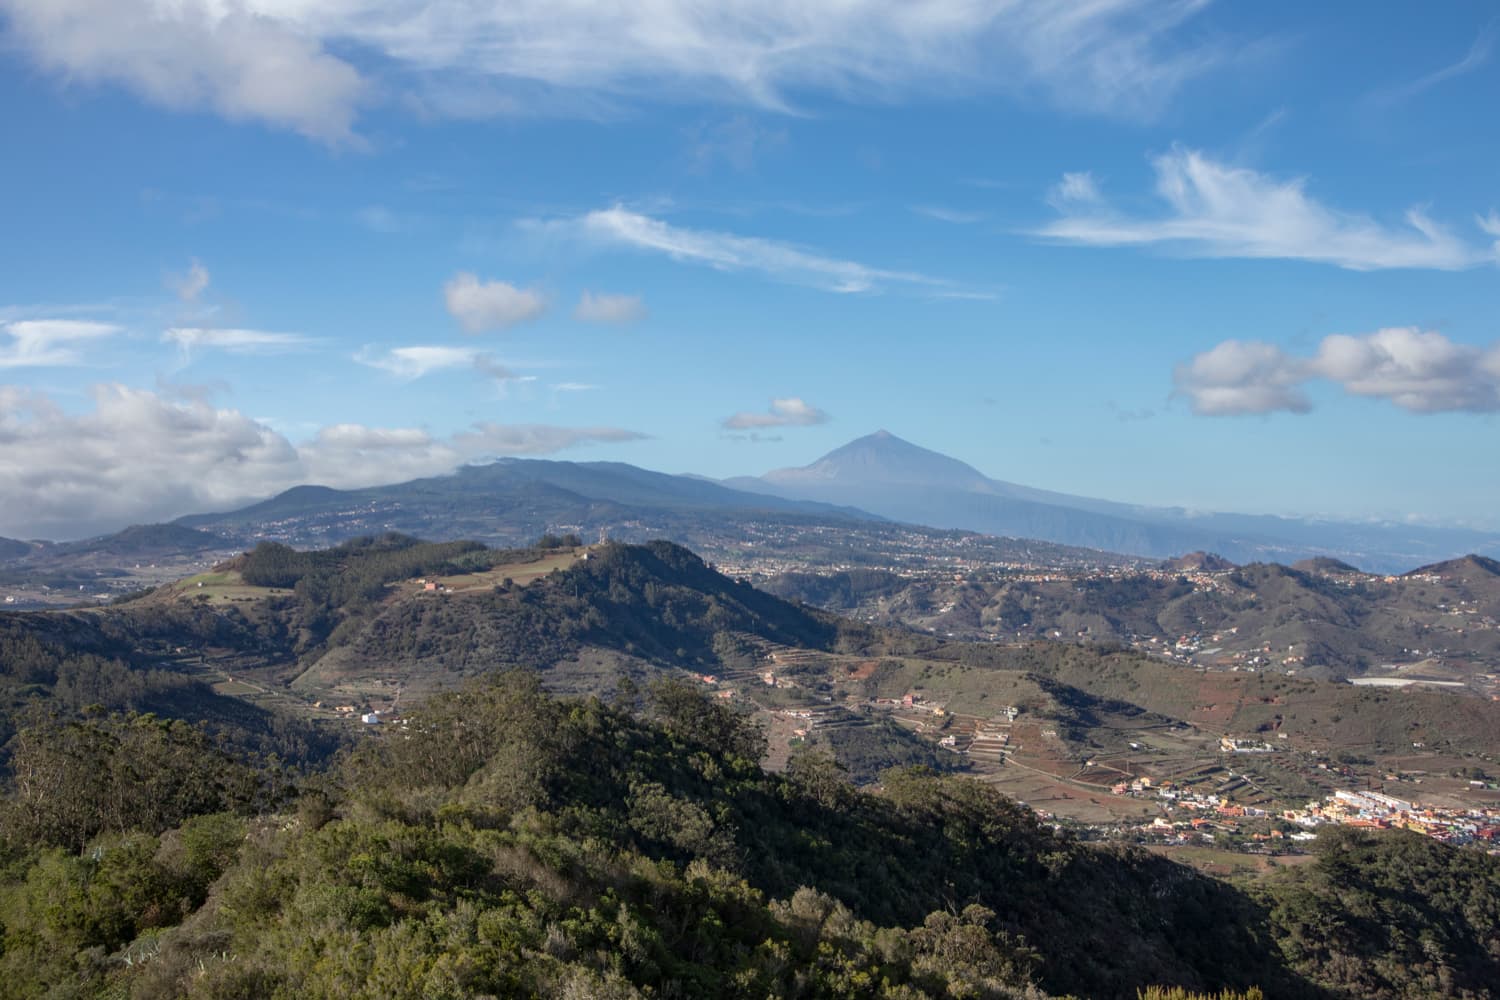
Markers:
136,456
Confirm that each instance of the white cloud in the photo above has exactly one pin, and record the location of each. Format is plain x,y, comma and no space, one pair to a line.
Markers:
139,457
415,362
573,387
1419,371
603,308
258,60
235,341
1491,225
192,284
728,252
1074,189
1238,377
490,305
790,411
1477,56
1216,210
271,60
424,359
37,343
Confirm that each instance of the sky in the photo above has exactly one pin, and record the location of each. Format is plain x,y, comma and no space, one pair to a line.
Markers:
1237,257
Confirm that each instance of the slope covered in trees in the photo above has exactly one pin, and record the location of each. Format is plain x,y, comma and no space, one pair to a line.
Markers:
507,842
510,844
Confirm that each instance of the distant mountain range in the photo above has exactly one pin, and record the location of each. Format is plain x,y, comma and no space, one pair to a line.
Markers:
869,487
883,474
1320,618
510,500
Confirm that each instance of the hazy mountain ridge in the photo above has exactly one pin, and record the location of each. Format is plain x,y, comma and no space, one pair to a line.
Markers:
882,473
1332,621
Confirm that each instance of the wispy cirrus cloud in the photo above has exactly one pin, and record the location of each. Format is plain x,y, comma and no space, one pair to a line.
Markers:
1416,370
942,213
1217,210
235,341
45,343
1475,58
137,456
789,411
623,227
287,63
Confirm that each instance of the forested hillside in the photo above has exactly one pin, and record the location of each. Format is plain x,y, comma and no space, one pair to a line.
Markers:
509,844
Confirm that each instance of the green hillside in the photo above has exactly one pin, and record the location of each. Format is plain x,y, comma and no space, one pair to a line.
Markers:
509,844
501,840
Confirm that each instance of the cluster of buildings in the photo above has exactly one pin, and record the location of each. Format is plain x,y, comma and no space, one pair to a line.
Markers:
1173,797
1376,810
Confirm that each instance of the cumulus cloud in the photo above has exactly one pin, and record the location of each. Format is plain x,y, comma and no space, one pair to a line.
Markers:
790,411
273,61
1419,371
136,456
602,308
234,341
1238,377
490,305
258,60
1217,210
38,343
619,226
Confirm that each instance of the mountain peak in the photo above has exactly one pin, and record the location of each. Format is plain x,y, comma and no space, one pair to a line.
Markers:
884,458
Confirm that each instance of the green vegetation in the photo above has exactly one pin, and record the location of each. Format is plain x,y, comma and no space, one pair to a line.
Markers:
503,841
507,843
1390,915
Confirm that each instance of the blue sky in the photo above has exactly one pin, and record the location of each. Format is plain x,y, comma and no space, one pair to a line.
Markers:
1235,257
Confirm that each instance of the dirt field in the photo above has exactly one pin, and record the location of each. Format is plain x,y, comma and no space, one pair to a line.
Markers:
519,574
221,588
1219,862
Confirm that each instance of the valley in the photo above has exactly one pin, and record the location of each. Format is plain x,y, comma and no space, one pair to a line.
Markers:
1139,743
